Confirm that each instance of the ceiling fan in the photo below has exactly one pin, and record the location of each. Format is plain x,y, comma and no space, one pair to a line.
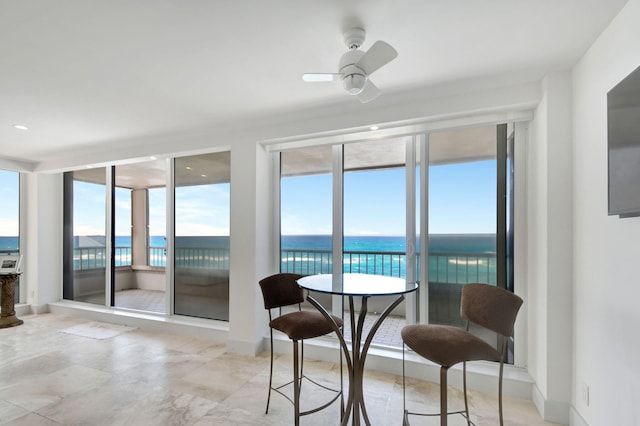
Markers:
356,66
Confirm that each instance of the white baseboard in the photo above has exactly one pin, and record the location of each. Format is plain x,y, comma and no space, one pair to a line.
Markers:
245,348
552,411
23,310
576,419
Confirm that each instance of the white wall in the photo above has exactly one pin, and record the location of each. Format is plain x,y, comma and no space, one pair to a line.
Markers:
41,206
550,249
607,253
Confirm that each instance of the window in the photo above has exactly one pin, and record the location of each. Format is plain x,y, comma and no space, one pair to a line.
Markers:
126,265
10,218
306,212
85,250
202,234
139,236
384,204
462,218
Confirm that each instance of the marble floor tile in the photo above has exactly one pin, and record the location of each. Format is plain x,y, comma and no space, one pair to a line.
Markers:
135,377
9,412
47,389
30,419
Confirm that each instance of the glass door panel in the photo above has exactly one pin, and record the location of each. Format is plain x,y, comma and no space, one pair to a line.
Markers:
85,236
139,242
156,245
202,233
462,217
306,213
374,211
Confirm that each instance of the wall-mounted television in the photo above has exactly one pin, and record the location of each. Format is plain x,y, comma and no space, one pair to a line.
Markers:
623,115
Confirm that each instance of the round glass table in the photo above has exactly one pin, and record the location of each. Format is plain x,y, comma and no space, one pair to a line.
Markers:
364,286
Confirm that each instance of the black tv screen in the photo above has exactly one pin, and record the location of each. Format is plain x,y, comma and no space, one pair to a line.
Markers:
623,115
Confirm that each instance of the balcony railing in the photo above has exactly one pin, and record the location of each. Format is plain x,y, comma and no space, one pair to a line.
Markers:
450,268
192,257
9,252
85,258
157,256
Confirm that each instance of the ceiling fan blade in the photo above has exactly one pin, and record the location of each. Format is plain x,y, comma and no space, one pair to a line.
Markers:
320,77
378,55
369,92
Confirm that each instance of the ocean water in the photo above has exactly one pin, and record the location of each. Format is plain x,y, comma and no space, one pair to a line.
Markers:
440,243
9,243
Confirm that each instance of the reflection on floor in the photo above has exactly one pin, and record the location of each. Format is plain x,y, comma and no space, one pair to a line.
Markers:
147,300
58,370
200,306
144,300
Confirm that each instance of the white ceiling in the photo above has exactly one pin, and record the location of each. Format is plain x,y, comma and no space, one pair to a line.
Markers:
86,73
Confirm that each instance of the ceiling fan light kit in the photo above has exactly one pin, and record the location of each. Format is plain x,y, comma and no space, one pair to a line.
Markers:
354,82
356,66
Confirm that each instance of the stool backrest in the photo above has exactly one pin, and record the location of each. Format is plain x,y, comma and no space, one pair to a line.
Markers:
281,290
491,307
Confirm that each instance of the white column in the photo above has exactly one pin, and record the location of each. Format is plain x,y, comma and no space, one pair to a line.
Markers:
41,238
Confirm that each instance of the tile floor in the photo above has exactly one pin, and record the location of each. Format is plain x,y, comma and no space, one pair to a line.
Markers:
58,370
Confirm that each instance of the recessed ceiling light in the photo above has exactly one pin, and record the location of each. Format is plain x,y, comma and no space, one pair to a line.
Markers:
188,168
153,158
374,127
203,175
20,127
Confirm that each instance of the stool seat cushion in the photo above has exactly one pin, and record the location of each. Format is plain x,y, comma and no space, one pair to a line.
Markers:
302,325
447,345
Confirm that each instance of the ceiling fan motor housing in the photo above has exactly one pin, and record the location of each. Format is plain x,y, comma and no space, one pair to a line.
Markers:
353,78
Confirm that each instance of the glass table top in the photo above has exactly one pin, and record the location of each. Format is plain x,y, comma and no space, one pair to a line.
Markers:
357,284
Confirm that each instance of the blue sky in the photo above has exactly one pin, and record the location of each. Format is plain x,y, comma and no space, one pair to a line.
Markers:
461,199
9,224
200,210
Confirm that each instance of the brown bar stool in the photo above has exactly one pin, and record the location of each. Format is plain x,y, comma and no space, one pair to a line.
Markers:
282,290
486,305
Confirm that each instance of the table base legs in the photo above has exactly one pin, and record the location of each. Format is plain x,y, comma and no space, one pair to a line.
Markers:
355,407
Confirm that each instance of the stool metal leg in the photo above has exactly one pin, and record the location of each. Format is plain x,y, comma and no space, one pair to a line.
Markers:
443,396
296,384
500,392
270,372
464,386
405,412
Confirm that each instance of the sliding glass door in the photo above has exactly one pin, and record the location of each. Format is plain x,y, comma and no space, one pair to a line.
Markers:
85,236
139,217
116,250
202,233
462,217
452,188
